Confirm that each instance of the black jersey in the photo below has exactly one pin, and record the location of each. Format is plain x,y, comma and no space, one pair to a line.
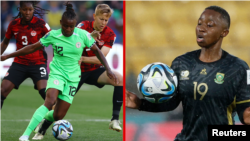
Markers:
211,93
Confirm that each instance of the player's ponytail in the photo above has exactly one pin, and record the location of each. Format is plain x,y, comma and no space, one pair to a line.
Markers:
37,10
70,12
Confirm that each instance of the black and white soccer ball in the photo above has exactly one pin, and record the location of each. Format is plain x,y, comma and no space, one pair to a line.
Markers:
157,82
62,130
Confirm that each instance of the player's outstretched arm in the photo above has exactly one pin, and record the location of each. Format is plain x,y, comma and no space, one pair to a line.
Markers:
103,60
93,59
24,51
132,101
4,44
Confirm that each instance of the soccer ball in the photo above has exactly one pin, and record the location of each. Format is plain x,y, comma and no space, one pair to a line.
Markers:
62,130
157,82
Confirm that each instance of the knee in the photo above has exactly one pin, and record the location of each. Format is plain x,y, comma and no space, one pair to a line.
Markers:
58,115
4,92
50,101
120,79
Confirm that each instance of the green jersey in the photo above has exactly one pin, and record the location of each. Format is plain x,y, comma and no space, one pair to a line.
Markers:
67,52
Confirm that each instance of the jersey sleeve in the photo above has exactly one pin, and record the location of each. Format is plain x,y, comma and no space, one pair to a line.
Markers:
243,95
88,40
9,32
110,41
176,66
46,28
47,39
160,107
81,25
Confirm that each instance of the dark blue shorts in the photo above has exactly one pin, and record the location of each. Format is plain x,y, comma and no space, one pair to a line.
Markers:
17,73
91,78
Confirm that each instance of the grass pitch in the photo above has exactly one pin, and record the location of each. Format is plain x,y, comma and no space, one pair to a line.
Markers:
89,114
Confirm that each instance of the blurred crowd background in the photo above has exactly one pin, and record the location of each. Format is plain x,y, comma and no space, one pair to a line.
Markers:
83,9
159,31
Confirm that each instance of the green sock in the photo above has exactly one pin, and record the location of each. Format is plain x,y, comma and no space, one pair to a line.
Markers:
49,116
36,119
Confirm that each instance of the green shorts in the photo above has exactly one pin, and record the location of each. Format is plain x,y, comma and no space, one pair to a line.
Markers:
67,89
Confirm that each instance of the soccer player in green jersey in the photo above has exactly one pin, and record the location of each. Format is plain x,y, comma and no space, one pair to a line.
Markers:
68,44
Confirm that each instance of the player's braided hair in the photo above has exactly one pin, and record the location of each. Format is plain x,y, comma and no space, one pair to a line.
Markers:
223,12
37,10
70,12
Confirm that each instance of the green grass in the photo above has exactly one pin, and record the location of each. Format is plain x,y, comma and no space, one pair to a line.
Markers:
89,114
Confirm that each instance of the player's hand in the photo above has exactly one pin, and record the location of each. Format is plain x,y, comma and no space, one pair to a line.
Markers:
3,57
132,101
112,76
96,35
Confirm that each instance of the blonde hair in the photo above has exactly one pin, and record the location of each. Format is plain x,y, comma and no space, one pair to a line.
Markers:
103,8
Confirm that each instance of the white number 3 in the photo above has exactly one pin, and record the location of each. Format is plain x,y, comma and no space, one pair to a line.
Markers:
25,40
43,71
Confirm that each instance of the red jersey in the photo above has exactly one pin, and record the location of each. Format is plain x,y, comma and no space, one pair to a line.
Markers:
107,39
27,35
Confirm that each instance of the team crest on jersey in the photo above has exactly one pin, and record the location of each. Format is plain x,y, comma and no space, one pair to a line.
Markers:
78,44
56,82
219,78
33,33
184,75
101,43
203,71
6,74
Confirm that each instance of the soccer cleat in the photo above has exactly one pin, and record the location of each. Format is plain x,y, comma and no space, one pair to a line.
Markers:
114,124
24,138
39,126
38,136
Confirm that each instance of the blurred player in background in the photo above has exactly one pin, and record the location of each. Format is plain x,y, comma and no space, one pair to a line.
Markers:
27,29
68,44
93,73
215,86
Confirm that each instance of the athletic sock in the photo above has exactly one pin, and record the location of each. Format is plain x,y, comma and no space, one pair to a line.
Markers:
117,102
49,116
36,119
2,100
42,93
49,119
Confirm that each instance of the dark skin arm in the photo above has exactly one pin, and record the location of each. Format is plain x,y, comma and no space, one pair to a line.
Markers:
103,60
4,44
132,101
24,51
246,116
